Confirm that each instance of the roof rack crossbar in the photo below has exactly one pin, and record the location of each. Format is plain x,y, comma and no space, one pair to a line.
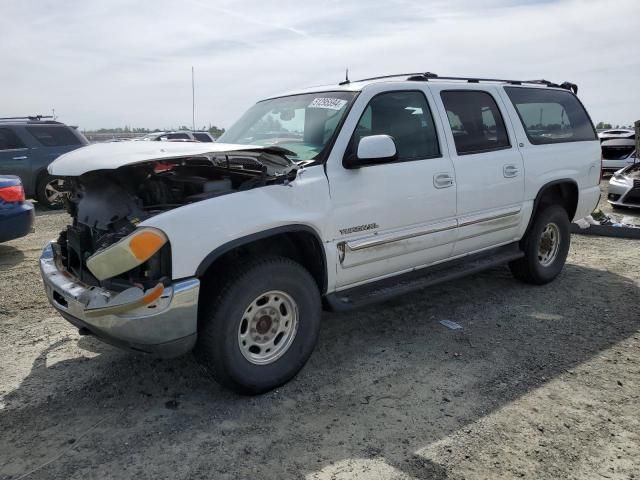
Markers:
426,76
31,117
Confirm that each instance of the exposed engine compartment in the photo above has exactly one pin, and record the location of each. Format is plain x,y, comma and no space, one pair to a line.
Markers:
107,205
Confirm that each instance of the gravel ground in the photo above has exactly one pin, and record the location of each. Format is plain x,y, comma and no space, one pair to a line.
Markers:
541,383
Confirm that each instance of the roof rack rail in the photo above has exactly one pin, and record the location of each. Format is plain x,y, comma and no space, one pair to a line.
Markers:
31,117
426,76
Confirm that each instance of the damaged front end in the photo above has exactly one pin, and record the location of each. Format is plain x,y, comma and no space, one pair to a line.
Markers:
104,246
106,270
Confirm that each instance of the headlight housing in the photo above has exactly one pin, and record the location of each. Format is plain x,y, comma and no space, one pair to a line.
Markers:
126,254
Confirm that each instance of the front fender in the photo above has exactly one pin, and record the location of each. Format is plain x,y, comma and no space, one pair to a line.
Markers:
198,229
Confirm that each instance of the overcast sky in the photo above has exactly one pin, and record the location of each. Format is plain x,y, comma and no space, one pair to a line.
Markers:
115,62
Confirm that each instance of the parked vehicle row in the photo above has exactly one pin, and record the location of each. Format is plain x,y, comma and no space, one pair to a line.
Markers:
334,196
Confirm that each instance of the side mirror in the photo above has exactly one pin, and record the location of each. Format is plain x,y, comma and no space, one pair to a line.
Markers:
371,150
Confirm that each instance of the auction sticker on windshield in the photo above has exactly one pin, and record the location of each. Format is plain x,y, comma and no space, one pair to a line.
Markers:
330,103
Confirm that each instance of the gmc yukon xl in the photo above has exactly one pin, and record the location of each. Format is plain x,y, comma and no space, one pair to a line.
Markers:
332,197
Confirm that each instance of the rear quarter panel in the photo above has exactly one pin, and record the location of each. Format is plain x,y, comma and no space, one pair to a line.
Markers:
543,164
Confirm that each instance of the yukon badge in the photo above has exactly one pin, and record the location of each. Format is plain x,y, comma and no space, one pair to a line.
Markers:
359,228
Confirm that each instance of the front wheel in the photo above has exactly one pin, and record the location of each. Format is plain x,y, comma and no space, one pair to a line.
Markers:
545,247
262,327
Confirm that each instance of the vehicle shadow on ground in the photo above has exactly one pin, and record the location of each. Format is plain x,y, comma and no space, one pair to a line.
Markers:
42,210
383,383
10,256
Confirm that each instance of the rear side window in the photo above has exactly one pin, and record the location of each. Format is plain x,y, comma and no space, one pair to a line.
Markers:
551,116
177,136
53,136
406,117
475,120
202,137
9,140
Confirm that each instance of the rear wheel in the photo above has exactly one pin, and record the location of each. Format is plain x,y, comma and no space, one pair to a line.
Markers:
51,192
545,246
262,327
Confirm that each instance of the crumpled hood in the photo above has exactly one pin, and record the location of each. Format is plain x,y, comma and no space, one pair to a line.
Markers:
108,156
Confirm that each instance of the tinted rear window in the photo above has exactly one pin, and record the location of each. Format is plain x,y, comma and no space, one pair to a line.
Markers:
202,137
177,136
551,116
617,152
50,136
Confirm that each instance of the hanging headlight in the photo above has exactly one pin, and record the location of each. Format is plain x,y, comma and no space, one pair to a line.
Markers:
126,254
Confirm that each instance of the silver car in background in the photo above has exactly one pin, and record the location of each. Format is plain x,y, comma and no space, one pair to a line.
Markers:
624,187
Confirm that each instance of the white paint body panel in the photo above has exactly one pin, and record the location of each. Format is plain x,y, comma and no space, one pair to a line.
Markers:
197,229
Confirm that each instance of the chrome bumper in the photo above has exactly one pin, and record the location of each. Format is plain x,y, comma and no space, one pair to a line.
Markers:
166,325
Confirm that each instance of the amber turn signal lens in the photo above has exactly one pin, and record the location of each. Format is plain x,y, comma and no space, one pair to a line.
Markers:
144,244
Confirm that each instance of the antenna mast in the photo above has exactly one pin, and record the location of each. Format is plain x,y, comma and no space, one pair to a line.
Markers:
193,101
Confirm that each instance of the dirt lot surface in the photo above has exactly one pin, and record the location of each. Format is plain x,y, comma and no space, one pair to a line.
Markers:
541,383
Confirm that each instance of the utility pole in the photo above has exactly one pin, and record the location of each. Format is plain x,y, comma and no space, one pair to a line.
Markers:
193,100
53,114
637,125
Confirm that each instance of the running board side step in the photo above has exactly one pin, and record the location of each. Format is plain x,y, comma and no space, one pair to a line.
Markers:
388,288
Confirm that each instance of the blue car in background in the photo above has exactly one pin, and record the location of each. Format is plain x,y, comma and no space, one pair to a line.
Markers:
16,214
28,145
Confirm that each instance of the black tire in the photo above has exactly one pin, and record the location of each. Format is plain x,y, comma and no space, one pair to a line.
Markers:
42,194
530,268
218,346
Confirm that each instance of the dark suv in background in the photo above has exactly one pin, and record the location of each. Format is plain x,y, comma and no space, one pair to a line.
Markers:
28,145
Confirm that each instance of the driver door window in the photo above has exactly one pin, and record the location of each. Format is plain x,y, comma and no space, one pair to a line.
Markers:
404,116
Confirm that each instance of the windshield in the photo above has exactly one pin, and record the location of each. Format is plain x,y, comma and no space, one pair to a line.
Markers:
303,124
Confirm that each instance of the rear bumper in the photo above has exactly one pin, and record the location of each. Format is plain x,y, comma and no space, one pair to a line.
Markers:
166,327
16,222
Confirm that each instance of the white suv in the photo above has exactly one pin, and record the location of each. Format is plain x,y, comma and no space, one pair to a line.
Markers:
334,196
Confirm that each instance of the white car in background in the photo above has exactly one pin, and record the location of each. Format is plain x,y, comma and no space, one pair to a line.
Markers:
624,188
178,136
618,149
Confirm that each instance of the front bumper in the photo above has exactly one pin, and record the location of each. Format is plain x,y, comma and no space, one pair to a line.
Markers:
623,194
167,326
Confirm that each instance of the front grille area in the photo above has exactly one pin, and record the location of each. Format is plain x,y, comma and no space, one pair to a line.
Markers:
75,246
636,184
633,197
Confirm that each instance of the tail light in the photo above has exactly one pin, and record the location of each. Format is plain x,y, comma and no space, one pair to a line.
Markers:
12,194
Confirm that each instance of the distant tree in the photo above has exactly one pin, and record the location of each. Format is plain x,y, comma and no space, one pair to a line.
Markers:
214,131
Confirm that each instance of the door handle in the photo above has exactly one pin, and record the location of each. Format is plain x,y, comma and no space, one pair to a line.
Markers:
442,180
510,171
24,157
